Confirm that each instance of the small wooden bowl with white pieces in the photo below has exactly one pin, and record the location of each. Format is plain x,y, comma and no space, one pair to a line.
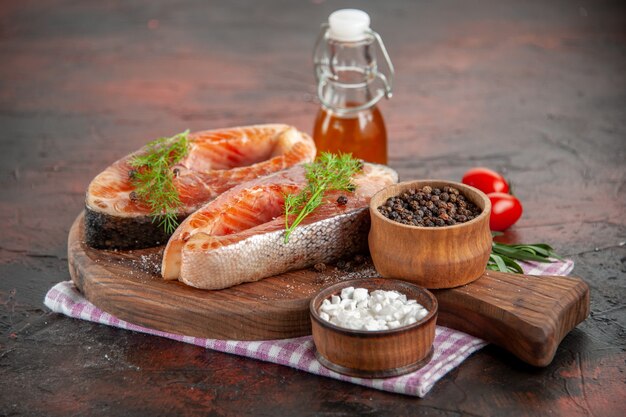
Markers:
395,345
432,257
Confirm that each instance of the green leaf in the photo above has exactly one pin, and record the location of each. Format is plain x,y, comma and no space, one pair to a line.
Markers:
512,266
536,250
507,255
154,180
328,172
499,262
516,253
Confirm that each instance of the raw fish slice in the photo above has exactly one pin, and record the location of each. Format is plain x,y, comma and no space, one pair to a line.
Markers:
217,161
239,236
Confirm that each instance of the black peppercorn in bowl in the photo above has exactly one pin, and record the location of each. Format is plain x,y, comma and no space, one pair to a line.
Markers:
433,241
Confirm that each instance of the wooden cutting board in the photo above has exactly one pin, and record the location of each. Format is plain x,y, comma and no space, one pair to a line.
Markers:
527,315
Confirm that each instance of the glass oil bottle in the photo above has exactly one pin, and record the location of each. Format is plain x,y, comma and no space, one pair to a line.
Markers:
349,86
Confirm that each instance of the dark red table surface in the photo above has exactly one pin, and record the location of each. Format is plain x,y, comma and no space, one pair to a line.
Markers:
536,90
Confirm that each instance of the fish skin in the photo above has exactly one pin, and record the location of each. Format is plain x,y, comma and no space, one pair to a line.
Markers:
216,255
264,255
217,161
103,231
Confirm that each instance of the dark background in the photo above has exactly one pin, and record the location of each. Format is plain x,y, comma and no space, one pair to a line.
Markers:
536,90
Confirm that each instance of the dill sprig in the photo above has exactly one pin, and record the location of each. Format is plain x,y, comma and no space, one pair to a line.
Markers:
328,172
504,257
154,180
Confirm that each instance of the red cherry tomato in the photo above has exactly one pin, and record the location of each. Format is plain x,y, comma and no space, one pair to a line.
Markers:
505,211
486,180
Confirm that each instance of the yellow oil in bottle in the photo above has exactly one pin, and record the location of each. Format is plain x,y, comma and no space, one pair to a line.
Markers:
350,82
362,133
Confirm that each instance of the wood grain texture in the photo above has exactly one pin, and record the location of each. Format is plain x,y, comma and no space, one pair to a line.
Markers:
376,354
433,257
527,315
534,90
127,285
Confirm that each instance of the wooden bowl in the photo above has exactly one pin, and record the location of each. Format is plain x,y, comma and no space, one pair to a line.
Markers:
375,354
433,257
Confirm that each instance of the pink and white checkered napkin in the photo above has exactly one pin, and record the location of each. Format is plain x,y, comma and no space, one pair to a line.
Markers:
451,347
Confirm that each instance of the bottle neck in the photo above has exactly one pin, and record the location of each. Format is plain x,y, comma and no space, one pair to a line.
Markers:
346,100
347,75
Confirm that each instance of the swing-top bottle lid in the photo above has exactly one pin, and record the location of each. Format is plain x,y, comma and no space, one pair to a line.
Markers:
348,25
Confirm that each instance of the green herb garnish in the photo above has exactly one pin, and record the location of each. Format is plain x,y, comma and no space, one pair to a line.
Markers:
328,172
503,257
154,180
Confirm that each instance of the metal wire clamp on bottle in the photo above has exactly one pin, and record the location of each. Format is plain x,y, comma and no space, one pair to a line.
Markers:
349,85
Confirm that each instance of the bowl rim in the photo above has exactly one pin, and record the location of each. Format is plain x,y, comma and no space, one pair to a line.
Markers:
330,289
486,211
